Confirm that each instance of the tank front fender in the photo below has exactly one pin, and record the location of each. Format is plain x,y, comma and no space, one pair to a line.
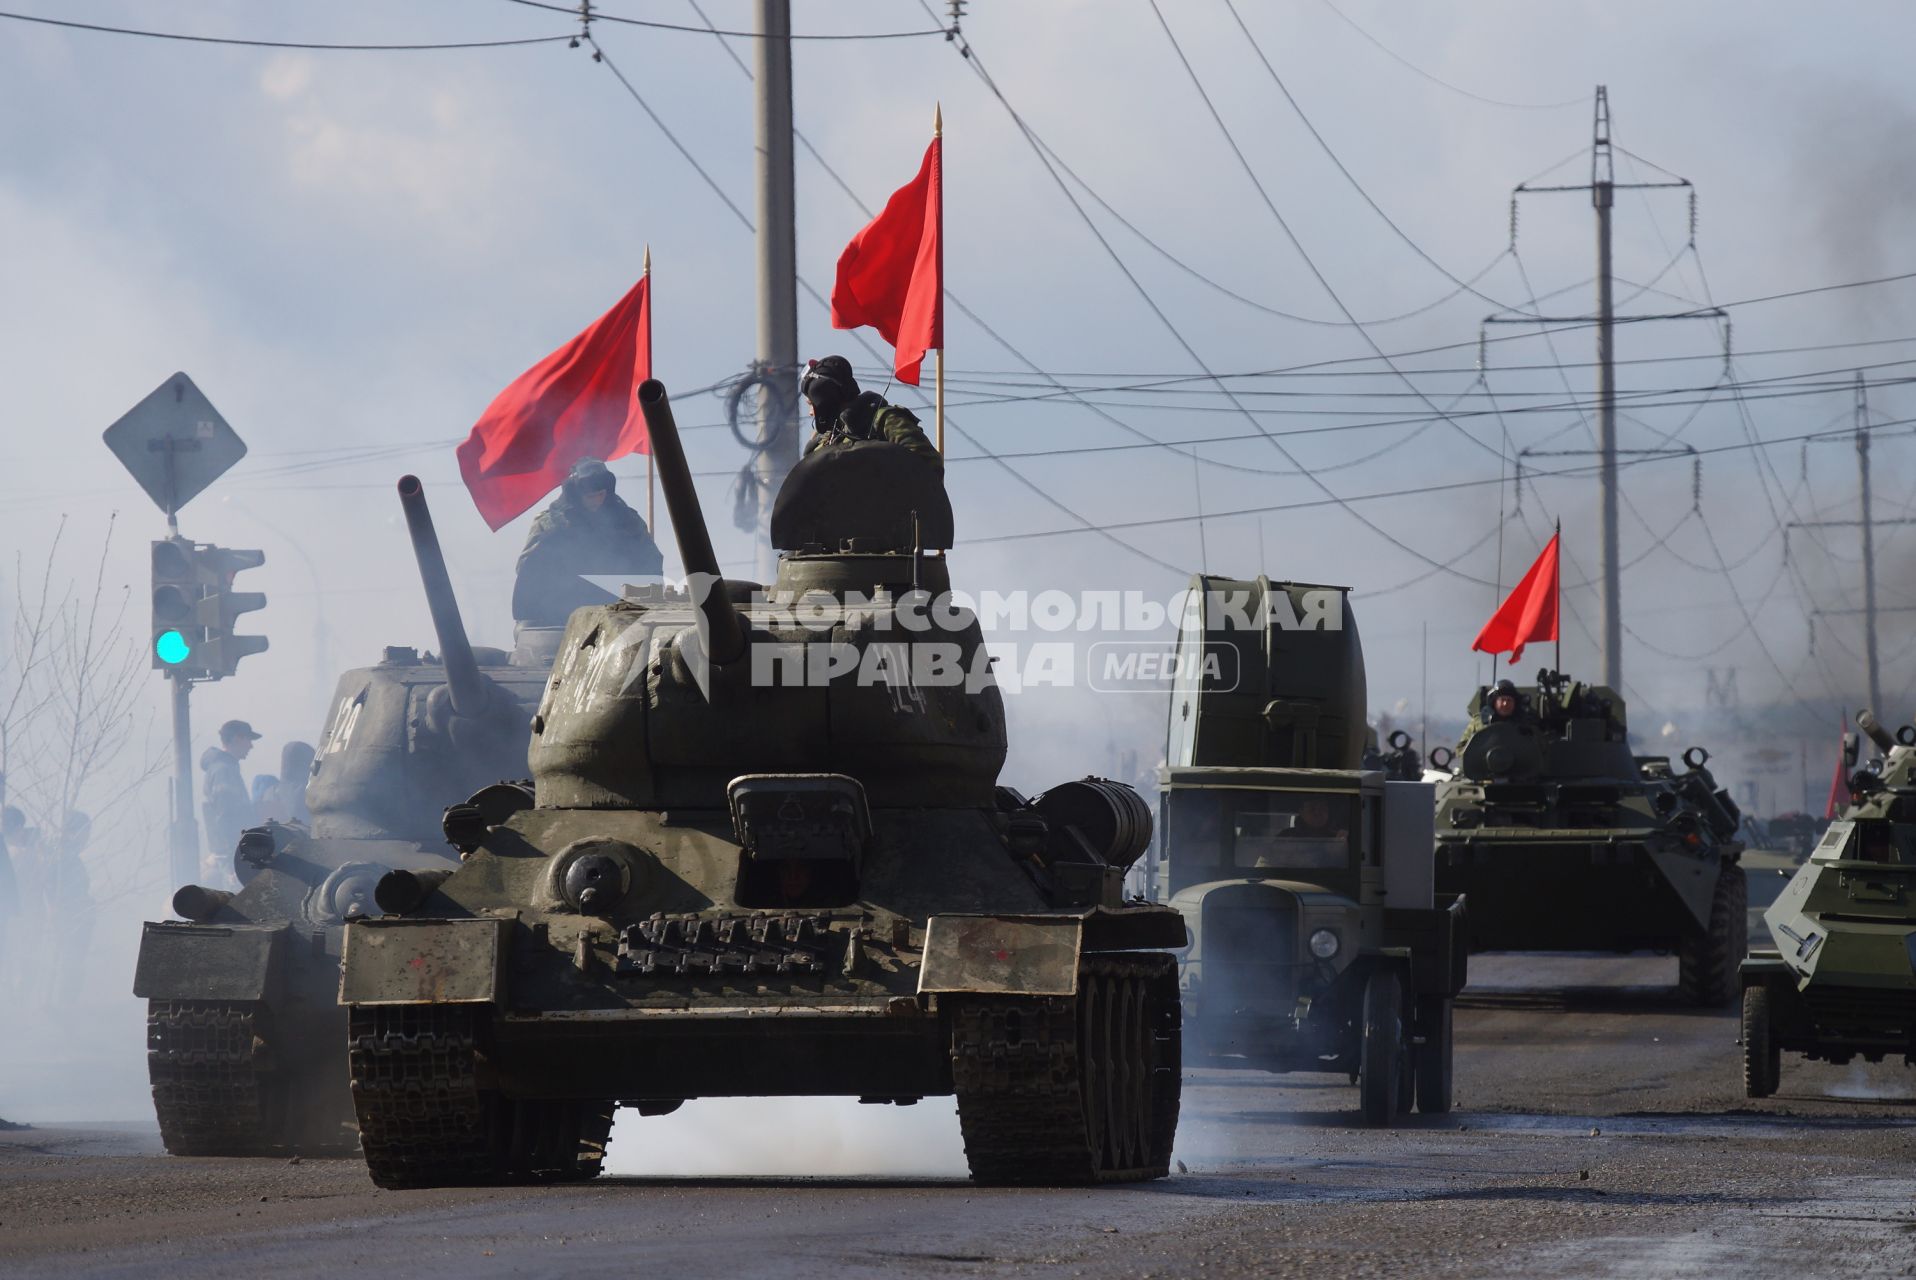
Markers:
402,961
1002,955
208,962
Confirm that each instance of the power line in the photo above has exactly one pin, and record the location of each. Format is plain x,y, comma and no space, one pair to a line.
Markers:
275,44
1400,59
1324,146
1418,490
597,16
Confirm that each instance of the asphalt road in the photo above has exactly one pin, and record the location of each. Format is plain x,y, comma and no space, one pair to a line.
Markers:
1600,1131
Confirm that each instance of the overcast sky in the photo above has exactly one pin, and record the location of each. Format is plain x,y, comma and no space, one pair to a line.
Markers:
352,252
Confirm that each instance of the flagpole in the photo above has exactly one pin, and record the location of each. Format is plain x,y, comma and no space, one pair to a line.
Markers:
938,396
650,521
1557,644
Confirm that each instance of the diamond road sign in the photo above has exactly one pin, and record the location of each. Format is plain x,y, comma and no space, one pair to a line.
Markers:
175,443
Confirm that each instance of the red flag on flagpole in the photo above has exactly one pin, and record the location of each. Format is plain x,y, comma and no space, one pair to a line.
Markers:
1528,613
579,402
891,276
1839,784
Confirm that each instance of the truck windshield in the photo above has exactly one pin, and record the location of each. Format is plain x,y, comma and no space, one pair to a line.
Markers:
1260,830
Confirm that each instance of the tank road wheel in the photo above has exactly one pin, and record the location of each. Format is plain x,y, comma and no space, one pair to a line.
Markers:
1707,963
1762,1060
1381,1048
212,1089
1434,1055
1062,1091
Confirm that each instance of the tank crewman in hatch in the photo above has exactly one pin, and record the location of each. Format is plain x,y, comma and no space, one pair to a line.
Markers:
587,529
1505,702
840,411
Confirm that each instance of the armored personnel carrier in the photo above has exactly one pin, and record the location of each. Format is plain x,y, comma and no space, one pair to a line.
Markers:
244,1032
1318,942
1565,841
1841,982
766,854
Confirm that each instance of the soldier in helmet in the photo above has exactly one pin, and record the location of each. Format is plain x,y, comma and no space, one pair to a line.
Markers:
1505,702
587,529
840,411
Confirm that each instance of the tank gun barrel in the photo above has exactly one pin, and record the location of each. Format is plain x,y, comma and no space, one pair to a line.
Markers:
724,632
463,681
1869,724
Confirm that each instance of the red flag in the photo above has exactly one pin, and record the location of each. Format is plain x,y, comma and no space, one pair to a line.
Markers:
579,402
891,276
1528,613
1839,785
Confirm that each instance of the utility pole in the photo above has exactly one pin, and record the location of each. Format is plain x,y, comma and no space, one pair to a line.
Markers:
1866,521
1603,187
1602,196
777,269
1869,545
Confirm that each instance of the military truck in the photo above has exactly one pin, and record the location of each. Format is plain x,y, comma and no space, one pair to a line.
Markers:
1563,840
245,1037
766,854
1841,982
1317,942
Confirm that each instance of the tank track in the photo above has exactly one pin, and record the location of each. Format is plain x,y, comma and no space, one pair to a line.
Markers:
1061,1091
425,1120
202,1057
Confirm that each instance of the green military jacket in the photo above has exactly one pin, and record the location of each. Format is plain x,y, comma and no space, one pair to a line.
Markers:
871,418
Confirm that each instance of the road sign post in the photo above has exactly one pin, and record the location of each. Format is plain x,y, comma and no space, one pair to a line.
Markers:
174,443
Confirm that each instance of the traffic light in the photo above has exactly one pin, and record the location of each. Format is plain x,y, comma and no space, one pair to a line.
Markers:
195,608
224,649
179,630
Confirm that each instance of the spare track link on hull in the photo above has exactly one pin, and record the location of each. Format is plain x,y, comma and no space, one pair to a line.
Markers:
425,1121
207,1086
1062,1091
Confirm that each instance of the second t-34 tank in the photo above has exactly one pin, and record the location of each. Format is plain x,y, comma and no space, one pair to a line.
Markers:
244,1030
1563,840
766,854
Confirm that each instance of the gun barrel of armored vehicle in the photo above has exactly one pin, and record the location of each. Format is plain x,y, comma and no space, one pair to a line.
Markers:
463,681
725,633
1869,724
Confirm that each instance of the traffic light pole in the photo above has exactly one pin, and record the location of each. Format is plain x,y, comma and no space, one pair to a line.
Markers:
777,268
184,836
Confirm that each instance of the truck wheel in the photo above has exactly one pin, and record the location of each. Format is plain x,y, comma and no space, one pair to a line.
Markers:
1433,1056
1381,1048
1707,962
1762,1060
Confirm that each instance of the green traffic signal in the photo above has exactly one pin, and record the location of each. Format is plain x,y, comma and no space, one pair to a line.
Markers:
172,648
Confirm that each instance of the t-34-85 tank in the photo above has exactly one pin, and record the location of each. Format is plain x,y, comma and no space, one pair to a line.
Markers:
1562,840
1842,979
244,1031
768,856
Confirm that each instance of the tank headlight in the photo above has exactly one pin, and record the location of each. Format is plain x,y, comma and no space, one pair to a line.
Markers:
1324,944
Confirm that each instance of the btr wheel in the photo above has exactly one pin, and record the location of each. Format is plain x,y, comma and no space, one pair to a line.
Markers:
1762,1060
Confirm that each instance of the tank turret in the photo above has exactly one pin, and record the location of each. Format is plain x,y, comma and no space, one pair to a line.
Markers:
766,854
411,733
664,698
